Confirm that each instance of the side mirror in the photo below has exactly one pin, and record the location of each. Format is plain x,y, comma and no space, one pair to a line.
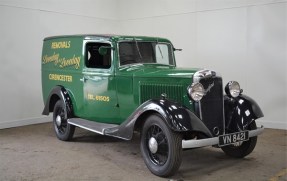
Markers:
177,49
103,50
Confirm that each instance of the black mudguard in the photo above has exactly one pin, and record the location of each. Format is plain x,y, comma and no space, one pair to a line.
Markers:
240,112
58,93
177,117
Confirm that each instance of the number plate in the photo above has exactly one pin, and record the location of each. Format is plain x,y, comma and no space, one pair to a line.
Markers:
233,138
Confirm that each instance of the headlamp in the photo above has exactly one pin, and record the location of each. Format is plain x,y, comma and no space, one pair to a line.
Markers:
232,89
196,91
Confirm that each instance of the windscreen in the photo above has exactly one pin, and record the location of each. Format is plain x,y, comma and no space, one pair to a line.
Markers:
145,52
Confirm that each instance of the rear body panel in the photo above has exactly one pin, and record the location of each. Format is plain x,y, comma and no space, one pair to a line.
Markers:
62,64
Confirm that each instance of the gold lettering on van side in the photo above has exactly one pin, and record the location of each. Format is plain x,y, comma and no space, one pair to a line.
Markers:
61,44
62,62
75,61
98,98
52,58
64,78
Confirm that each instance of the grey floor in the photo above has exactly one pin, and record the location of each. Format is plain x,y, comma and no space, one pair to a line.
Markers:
34,153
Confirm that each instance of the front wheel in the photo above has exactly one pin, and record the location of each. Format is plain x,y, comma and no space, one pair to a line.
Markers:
63,129
160,147
242,149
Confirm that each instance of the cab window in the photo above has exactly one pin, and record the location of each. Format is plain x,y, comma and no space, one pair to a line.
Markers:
93,58
132,52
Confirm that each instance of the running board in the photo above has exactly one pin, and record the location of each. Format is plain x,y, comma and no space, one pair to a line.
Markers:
122,131
95,127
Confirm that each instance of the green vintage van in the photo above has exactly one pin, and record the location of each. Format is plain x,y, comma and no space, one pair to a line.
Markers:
113,85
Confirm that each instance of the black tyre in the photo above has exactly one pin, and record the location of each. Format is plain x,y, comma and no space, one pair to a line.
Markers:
63,129
160,147
242,149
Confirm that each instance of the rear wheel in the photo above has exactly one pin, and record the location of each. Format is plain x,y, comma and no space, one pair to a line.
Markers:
160,147
242,149
63,129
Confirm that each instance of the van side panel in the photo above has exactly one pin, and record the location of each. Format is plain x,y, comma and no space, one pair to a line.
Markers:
62,62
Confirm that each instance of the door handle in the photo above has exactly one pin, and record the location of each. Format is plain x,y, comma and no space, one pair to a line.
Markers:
83,79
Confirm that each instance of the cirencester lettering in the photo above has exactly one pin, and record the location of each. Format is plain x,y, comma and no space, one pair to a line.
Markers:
64,78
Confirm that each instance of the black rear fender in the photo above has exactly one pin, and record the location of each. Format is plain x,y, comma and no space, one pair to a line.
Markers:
58,93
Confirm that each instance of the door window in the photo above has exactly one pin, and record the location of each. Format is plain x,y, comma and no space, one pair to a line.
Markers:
96,60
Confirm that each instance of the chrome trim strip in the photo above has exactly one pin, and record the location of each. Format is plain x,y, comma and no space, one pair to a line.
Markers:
204,73
200,112
256,132
214,140
199,143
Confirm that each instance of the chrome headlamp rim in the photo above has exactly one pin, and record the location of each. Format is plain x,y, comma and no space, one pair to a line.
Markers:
196,91
232,89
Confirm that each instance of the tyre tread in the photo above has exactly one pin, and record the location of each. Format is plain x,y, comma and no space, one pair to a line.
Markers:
174,162
70,128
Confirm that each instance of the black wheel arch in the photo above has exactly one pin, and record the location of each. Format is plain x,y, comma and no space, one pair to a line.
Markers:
241,110
58,93
177,117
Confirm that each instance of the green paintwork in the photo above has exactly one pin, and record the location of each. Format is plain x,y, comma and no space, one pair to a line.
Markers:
109,95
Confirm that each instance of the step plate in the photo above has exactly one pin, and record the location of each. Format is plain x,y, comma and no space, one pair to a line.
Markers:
91,125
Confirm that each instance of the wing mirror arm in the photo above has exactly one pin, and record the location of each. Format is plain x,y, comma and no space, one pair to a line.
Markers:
177,49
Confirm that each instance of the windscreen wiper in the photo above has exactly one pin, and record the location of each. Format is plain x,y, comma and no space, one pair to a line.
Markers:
159,48
138,48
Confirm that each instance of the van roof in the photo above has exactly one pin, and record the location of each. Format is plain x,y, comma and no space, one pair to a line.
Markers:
108,36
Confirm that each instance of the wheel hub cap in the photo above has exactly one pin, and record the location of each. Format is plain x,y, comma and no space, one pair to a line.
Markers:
58,120
152,144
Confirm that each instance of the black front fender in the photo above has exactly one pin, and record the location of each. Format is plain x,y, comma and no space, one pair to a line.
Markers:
240,112
177,117
58,93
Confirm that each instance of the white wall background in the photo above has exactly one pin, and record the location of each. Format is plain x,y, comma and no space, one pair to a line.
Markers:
23,26
244,40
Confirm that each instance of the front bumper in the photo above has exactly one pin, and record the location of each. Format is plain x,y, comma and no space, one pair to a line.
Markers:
214,140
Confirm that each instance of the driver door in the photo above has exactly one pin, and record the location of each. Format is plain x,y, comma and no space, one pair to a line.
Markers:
99,86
